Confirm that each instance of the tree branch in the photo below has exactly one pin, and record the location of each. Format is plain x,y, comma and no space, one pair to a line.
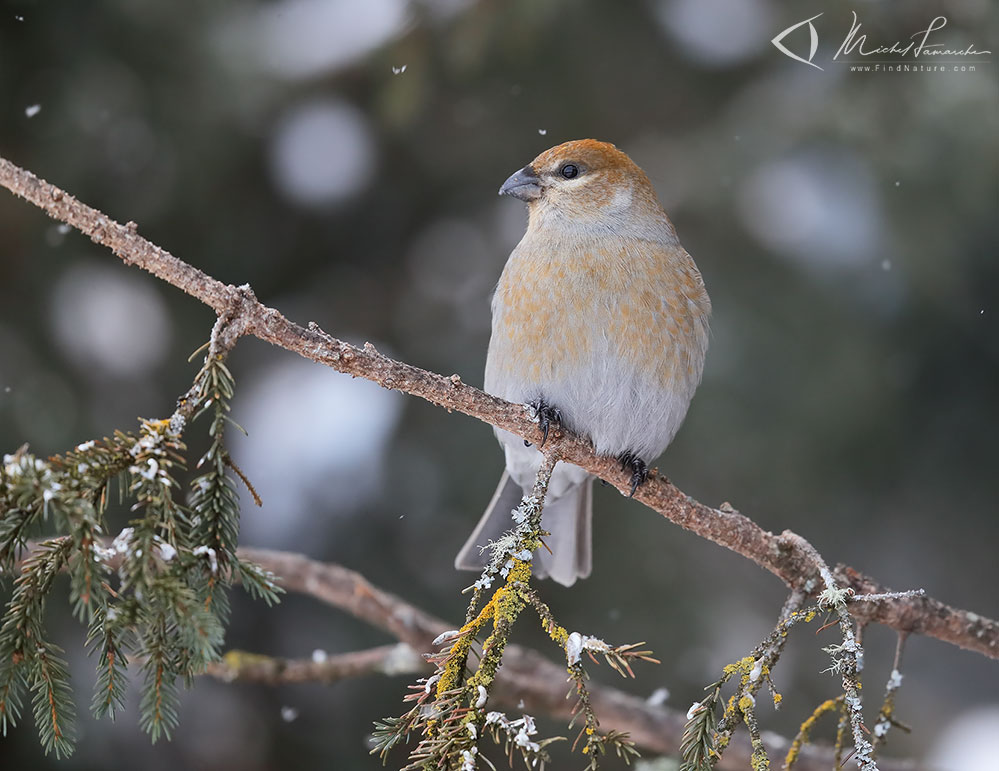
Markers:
242,314
398,659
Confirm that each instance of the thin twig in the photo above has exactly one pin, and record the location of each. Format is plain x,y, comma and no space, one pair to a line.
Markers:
239,666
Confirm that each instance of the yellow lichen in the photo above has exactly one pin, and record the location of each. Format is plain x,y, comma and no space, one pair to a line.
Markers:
802,738
521,571
502,610
238,660
760,761
455,665
730,707
744,664
451,675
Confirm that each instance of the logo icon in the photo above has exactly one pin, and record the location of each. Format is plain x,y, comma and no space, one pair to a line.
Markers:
812,48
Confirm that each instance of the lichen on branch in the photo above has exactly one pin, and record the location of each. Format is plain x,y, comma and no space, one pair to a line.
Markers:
451,710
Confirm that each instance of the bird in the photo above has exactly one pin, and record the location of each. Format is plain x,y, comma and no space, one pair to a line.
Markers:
600,324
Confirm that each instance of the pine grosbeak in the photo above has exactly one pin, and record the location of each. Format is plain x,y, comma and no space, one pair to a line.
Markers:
600,321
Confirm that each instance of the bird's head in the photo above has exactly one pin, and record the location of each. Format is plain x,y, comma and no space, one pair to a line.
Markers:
590,184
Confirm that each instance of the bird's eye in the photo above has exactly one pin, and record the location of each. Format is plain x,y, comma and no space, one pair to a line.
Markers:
569,171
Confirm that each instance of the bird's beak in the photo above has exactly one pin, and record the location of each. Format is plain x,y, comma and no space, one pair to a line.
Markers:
523,184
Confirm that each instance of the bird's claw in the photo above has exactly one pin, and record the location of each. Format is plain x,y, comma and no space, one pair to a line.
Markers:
549,418
639,470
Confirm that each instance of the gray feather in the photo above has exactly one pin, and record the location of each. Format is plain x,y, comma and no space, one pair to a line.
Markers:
567,518
497,520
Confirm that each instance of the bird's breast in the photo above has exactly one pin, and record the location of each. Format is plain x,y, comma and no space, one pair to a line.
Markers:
565,310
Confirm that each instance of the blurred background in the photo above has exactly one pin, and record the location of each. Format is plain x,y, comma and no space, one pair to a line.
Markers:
343,157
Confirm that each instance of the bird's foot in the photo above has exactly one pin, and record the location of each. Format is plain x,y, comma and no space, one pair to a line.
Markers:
549,419
639,471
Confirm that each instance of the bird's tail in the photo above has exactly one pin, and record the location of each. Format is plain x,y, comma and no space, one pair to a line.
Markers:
567,518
